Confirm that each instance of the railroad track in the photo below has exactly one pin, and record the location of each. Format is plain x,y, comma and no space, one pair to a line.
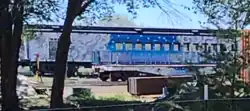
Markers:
86,83
101,83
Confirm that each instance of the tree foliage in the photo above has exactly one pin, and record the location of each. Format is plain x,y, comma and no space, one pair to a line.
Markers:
41,10
104,9
225,14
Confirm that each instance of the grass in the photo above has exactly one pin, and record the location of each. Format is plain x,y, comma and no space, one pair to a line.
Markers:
117,97
86,98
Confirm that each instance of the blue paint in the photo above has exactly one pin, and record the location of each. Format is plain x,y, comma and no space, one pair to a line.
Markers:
142,39
154,56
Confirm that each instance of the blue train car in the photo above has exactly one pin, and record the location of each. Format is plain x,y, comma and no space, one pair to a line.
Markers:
158,54
137,49
122,52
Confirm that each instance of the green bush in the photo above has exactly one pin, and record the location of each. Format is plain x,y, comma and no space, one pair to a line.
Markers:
86,98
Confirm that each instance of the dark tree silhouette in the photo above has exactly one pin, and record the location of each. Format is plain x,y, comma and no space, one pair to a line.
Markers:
12,16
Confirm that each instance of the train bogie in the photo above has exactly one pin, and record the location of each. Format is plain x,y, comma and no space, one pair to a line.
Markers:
117,75
123,72
48,68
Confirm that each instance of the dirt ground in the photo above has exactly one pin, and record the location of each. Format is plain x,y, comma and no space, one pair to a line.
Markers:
99,91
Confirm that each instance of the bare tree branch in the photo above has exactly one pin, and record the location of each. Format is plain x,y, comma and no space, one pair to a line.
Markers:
169,9
84,6
164,11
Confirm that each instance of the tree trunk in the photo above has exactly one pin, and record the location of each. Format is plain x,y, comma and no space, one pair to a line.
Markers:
6,34
11,40
62,56
3,18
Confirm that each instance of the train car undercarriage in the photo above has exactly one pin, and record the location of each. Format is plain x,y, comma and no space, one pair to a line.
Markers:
116,73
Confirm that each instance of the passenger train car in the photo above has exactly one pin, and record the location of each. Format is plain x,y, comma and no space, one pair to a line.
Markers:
170,54
119,53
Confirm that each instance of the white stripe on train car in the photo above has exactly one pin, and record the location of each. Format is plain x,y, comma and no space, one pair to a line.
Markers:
167,65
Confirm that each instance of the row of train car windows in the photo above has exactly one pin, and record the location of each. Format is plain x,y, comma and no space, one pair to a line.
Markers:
174,47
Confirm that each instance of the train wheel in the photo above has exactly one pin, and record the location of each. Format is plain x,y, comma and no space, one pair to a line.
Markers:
104,76
133,74
124,76
113,79
113,76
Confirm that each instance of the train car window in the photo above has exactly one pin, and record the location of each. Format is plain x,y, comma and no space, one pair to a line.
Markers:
148,46
157,47
129,46
166,47
214,48
176,47
223,47
118,46
186,47
204,47
209,48
234,47
192,47
138,46
196,47
52,48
